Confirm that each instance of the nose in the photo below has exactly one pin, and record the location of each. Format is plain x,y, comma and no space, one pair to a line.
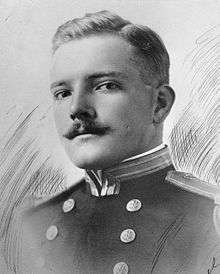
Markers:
81,106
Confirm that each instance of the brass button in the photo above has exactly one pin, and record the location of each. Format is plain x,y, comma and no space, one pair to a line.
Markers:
52,232
120,268
127,235
133,205
68,205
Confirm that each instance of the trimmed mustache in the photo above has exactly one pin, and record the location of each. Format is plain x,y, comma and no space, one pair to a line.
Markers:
80,127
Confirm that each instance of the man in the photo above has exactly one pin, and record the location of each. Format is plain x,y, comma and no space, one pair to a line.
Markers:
110,85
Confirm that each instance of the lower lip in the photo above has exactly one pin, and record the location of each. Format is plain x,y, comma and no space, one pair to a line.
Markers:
84,137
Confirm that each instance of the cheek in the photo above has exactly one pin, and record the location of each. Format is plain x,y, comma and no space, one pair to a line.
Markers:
121,112
124,120
135,121
114,110
61,118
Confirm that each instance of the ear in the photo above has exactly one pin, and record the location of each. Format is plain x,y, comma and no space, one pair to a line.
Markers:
163,103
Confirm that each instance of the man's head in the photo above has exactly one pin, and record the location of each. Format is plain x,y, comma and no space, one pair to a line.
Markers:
109,83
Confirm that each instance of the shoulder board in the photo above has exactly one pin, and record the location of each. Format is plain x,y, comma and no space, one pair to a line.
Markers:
192,184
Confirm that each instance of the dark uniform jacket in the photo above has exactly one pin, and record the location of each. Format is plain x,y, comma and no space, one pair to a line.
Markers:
140,222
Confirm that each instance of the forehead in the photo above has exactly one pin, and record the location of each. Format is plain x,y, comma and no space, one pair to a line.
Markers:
93,54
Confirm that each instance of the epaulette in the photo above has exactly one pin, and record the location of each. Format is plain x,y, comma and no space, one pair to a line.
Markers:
192,184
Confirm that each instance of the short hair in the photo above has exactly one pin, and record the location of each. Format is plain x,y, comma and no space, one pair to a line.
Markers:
147,43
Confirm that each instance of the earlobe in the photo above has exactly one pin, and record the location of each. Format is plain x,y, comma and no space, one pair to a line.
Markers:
164,101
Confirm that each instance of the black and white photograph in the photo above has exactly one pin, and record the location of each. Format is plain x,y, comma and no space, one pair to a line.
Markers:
109,137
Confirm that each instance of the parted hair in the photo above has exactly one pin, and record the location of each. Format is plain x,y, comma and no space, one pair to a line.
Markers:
147,43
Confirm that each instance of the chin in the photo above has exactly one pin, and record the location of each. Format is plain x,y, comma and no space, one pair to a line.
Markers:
95,153
91,162
92,159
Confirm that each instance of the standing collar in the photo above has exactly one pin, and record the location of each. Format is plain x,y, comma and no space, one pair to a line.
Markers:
145,153
140,165
107,182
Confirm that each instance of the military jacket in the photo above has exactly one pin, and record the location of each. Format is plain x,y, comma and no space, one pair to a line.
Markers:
152,225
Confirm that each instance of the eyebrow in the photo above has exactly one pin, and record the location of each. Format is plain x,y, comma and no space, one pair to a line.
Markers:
93,77
57,84
107,74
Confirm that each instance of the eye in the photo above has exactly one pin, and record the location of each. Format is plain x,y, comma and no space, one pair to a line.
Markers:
62,94
107,86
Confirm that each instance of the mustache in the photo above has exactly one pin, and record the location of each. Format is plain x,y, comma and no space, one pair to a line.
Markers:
81,126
